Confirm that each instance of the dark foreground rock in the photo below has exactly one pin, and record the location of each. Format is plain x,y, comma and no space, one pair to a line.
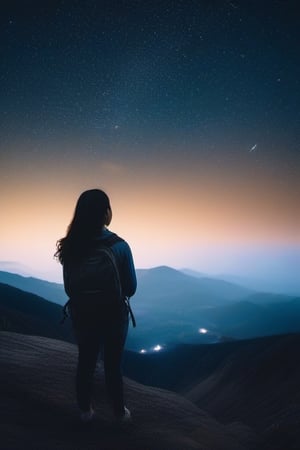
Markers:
256,382
38,409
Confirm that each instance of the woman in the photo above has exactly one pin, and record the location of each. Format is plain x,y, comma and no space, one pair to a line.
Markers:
99,318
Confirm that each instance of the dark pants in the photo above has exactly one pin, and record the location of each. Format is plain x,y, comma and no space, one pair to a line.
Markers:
100,330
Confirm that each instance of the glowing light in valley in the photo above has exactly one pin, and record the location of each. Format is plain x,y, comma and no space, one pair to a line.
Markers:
143,350
203,330
157,348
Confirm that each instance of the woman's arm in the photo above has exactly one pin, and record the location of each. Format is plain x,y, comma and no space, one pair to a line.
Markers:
126,267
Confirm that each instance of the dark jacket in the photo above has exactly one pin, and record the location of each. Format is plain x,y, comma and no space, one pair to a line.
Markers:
124,261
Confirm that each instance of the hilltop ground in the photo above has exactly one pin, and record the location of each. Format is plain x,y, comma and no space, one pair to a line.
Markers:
38,410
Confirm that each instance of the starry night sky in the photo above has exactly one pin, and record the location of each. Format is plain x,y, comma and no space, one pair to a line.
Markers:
185,112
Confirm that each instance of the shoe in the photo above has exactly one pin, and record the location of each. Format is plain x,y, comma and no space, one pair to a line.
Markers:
87,416
126,418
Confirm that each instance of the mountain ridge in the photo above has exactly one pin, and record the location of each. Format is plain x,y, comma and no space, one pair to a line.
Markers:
28,313
165,324
46,289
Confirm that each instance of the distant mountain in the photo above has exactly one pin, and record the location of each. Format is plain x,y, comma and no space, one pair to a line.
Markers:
46,289
169,306
28,313
194,273
172,307
163,285
247,320
286,285
168,303
238,320
264,298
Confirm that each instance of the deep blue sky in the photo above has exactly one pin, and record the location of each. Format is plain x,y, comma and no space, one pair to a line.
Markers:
151,69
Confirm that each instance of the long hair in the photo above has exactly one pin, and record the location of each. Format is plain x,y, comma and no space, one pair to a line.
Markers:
89,218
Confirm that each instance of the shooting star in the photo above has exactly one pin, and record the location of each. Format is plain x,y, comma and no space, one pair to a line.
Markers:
253,148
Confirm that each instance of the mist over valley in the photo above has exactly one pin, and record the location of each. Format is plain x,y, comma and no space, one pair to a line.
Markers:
172,307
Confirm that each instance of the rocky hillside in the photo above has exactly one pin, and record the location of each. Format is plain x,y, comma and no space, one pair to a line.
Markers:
38,409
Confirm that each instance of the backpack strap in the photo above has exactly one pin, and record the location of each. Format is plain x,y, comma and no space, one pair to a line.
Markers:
126,300
110,241
65,312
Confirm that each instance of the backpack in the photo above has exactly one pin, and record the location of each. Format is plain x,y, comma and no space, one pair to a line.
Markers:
96,277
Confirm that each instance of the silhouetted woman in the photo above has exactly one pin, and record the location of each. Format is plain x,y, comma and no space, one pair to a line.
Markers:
98,323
